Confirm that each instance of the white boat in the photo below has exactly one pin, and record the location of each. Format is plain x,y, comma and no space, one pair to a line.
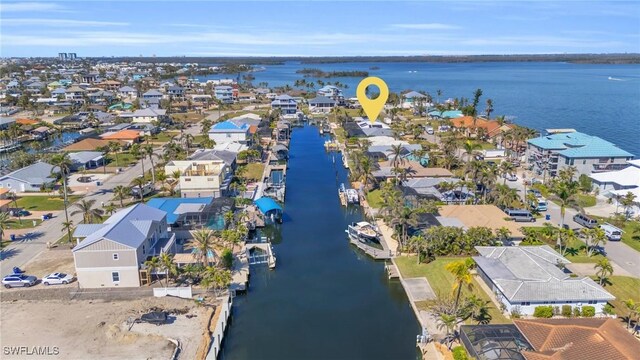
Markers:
345,162
352,196
363,231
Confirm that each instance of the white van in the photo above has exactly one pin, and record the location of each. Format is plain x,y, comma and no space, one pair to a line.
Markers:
613,233
520,215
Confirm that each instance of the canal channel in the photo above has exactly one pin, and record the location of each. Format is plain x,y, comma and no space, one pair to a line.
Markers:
325,299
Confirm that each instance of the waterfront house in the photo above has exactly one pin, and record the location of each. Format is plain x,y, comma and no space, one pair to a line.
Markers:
29,178
89,144
127,136
184,214
385,170
228,157
286,104
321,104
410,152
561,149
86,160
112,254
413,99
524,277
174,91
616,184
331,92
201,178
577,339
127,92
147,115
228,131
224,94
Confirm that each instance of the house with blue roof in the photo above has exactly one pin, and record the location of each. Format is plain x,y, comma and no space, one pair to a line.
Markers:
229,131
112,254
589,154
183,211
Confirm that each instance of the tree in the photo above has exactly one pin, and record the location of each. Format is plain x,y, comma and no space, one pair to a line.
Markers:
4,223
167,264
140,182
121,192
605,269
503,234
505,168
203,243
448,322
89,213
478,309
62,163
148,151
153,265
67,226
470,148
136,151
564,191
115,148
489,109
461,270
396,155
627,202
109,209
633,308
593,239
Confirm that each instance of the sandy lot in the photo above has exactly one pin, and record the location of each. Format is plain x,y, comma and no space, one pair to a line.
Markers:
99,329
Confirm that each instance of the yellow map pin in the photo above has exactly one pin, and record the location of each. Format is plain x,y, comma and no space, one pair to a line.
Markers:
372,107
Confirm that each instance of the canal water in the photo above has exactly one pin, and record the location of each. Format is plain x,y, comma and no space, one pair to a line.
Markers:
325,300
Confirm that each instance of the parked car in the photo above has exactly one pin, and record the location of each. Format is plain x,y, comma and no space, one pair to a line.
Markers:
18,280
540,205
613,233
57,278
430,130
511,177
585,221
535,192
20,213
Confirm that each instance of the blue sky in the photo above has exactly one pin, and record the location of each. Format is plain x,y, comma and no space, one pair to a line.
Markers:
266,28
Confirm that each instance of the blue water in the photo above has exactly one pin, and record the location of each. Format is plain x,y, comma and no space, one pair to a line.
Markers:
537,95
325,299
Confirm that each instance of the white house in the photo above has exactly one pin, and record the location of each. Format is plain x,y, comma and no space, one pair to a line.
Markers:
614,184
146,115
321,104
228,131
525,277
286,104
201,178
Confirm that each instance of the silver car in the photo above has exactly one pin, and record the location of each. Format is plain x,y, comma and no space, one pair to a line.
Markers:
57,278
18,280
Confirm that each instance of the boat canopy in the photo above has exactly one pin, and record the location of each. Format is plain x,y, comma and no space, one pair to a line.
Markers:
268,205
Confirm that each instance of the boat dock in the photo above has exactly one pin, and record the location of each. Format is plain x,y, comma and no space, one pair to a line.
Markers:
392,271
240,274
264,254
377,254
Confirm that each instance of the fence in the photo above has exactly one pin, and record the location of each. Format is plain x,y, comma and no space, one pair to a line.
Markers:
183,292
218,333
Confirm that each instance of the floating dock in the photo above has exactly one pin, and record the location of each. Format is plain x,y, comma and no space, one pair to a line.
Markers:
377,254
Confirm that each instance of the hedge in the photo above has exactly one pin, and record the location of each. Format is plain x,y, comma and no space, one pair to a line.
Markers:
566,310
459,353
588,311
543,312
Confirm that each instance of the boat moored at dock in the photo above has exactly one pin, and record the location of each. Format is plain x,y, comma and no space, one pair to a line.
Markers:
363,231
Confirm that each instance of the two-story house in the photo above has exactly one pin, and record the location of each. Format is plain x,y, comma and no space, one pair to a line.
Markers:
229,131
224,94
112,254
286,104
201,178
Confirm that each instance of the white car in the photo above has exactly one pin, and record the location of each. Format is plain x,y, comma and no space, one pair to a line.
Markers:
430,130
57,278
511,177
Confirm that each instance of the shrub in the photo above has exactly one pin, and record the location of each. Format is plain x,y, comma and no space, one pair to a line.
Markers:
576,312
566,310
515,313
556,310
227,258
543,312
459,353
588,311
608,309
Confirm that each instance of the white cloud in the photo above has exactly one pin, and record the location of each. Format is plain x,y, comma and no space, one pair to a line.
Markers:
427,26
59,22
29,6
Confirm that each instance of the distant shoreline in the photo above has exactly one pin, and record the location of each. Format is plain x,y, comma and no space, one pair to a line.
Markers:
631,58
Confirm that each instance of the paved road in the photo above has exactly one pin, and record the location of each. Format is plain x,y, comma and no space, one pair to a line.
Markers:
21,251
617,251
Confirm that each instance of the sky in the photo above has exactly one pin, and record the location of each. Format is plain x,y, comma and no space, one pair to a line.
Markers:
316,28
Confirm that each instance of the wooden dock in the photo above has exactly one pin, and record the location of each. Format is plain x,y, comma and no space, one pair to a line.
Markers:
392,271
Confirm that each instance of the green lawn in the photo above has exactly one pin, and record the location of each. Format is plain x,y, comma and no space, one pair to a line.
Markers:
631,235
44,203
576,249
441,281
484,145
252,171
585,200
164,136
24,224
374,198
623,288
124,159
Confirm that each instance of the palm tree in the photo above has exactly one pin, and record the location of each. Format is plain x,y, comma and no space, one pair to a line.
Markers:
121,192
505,168
89,213
167,264
188,140
470,148
396,155
565,192
489,109
140,182
153,265
461,270
503,233
448,322
62,163
605,269
115,147
203,242
67,226
109,209
627,202
136,151
148,151
4,223
634,310
593,239
478,309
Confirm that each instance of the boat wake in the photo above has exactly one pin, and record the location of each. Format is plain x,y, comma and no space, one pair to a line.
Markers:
615,79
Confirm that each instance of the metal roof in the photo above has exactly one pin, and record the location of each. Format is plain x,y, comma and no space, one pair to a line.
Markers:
578,145
174,207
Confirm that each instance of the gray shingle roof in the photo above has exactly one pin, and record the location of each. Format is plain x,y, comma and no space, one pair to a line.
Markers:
529,273
83,157
38,173
129,227
208,154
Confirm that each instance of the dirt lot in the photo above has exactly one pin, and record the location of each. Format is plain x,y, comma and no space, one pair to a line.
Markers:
99,329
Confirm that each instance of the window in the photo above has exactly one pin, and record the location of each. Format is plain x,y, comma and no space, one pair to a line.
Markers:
593,302
525,303
584,162
187,179
228,135
115,256
115,276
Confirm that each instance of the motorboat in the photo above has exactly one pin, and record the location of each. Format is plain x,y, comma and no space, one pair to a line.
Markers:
363,231
352,196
